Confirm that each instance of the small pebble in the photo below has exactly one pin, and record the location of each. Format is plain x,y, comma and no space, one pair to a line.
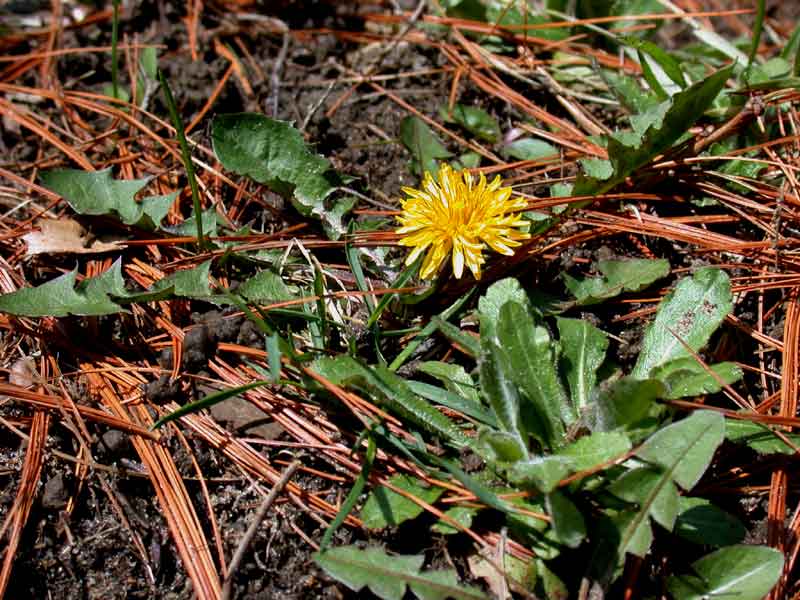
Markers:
114,442
55,494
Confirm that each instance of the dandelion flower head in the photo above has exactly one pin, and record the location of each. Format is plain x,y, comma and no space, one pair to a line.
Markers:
459,215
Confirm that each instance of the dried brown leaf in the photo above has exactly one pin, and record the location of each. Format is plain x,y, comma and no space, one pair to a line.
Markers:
65,236
23,372
481,568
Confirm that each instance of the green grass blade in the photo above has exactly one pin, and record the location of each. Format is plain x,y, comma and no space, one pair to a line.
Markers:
481,492
796,65
468,343
427,331
402,279
352,498
207,401
322,311
351,252
451,400
758,27
274,356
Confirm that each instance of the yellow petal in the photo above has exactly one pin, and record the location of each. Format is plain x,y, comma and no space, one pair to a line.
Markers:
415,253
458,261
433,260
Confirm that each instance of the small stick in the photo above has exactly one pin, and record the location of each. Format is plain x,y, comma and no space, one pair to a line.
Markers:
275,78
251,531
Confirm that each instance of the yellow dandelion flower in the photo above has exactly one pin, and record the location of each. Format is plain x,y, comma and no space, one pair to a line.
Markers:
460,215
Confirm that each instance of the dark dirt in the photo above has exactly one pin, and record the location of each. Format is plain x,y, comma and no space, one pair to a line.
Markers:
90,552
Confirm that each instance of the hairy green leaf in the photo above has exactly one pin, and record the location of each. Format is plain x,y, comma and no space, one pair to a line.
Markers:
568,523
426,149
469,344
530,355
623,402
635,535
481,492
454,377
702,523
759,437
686,447
652,489
386,508
497,447
495,297
501,393
404,402
595,449
476,410
475,120
265,287
528,149
741,572
387,576
583,348
689,314
686,377
57,298
274,153
392,391
542,472
685,108
629,275
96,193
463,515
683,452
